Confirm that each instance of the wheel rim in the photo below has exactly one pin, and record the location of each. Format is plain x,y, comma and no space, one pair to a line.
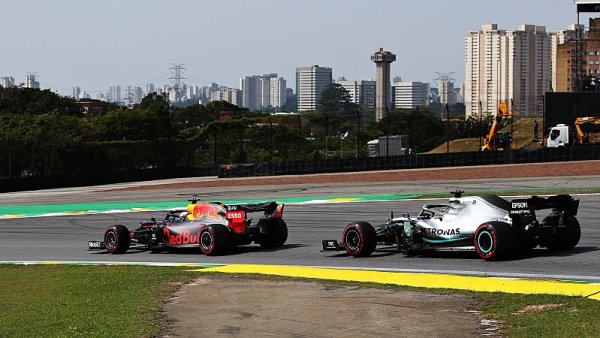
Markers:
111,239
353,240
206,240
485,242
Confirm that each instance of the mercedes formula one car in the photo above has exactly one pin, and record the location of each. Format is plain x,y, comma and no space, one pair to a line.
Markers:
490,225
213,227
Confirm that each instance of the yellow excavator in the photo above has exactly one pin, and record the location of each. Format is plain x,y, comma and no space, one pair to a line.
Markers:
496,140
581,136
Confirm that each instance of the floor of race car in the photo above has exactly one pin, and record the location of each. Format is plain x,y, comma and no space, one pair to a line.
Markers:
245,307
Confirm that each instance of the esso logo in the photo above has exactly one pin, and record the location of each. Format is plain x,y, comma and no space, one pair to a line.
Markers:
235,215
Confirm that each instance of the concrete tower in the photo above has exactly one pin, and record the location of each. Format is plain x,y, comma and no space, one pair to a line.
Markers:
383,91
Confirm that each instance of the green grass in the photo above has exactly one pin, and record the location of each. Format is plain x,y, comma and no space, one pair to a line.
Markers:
97,301
125,301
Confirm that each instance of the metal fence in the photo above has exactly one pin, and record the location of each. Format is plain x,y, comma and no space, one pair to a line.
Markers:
590,152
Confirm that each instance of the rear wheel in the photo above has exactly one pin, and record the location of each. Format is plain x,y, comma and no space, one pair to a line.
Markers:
276,236
215,239
494,241
567,235
359,239
116,239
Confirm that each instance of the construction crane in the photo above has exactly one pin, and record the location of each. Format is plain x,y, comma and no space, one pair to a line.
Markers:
495,140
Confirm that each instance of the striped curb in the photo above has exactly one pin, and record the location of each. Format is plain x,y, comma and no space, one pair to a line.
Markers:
423,280
430,280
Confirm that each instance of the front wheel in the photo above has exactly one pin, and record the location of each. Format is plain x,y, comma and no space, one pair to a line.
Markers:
494,241
359,239
215,239
116,239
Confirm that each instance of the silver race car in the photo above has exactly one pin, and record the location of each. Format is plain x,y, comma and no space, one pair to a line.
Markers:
490,225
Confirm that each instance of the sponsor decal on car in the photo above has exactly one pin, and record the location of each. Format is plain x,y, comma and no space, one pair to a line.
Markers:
442,232
185,237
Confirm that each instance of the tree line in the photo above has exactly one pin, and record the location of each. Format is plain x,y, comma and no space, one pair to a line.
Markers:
43,133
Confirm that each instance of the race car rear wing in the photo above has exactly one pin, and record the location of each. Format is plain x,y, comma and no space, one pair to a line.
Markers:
526,207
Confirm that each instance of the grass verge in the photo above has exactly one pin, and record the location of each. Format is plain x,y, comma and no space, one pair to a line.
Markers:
91,301
125,301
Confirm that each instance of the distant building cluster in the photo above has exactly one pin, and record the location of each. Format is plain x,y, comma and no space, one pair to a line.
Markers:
518,65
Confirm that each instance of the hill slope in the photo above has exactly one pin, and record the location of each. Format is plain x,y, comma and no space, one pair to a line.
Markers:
522,137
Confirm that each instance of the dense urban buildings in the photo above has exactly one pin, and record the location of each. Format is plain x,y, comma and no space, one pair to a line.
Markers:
31,82
231,95
310,83
506,65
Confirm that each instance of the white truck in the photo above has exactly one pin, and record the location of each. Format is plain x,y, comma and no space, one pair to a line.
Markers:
558,136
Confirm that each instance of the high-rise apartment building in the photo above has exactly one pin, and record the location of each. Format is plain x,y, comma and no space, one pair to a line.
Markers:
31,82
410,94
310,83
7,81
507,66
278,92
76,92
257,90
114,94
231,95
557,39
362,92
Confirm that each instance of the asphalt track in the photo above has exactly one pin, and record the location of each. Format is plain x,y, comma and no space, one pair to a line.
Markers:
64,238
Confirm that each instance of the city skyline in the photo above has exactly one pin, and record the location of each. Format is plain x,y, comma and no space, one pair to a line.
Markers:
94,45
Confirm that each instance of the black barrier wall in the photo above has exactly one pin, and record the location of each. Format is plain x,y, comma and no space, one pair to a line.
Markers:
591,152
564,108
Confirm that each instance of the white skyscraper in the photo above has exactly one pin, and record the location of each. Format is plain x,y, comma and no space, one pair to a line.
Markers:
278,92
30,82
410,94
76,92
7,81
507,65
114,93
310,83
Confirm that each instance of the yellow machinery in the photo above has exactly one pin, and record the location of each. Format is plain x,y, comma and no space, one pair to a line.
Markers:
496,141
581,137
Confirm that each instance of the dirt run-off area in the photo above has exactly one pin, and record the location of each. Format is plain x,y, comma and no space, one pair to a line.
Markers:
241,307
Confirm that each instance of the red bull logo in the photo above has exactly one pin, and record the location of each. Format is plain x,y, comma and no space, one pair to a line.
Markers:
213,212
182,238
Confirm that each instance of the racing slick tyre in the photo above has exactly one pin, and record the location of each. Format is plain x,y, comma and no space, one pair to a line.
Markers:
566,237
494,241
359,239
116,239
276,236
214,239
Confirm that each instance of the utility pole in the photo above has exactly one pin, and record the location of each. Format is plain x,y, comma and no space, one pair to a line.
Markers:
177,71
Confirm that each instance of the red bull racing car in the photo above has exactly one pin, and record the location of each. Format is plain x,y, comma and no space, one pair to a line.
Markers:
212,226
490,225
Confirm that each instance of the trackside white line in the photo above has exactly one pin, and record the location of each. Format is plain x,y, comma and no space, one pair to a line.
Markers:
507,275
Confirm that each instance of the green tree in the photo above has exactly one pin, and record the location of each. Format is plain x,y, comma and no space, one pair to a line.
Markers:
424,129
336,100
132,124
16,100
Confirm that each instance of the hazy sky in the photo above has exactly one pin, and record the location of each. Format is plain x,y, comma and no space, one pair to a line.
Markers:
94,44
